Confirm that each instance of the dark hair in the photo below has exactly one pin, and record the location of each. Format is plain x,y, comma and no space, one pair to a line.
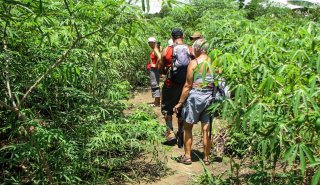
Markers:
158,44
176,33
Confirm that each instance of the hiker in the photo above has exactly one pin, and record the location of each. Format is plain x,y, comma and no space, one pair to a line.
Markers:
174,63
195,36
196,97
152,67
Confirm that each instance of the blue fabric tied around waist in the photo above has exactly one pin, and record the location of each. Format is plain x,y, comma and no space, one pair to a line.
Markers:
205,83
207,89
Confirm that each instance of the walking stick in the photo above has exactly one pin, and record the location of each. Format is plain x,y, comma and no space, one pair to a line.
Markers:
210,128
180,133
214,92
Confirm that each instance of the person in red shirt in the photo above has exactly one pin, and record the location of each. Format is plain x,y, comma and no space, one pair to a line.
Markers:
170,91
152,66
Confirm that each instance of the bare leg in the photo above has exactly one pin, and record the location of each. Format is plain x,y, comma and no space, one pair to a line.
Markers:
187,139
169,135
206,140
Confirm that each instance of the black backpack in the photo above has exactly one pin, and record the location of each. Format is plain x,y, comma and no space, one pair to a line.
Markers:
180,62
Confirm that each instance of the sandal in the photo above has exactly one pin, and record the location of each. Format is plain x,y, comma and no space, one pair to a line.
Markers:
183,159
206,162
153,105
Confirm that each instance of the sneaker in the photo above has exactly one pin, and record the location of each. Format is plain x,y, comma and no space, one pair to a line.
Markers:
170,135
166,133
170,142
171,139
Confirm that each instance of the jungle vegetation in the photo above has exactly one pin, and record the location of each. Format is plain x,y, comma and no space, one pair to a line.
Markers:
66,67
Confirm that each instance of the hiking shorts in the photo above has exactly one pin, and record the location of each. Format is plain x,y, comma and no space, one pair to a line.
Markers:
195,107
170,98
154,82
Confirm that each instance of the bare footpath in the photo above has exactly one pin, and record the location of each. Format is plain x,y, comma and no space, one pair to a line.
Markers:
178,174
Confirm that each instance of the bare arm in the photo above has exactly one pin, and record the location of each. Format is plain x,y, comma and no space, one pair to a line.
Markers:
187,86
158,55
161,63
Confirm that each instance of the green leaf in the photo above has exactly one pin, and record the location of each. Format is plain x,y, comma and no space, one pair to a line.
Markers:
308,153
316,178
143,5
302,161
40,7
296,103
148,5
264,149
288,153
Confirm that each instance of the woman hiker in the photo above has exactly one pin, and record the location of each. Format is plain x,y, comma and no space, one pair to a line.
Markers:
152,66
196,97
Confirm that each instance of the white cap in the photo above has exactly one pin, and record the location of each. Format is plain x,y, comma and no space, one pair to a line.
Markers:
152,39
170,42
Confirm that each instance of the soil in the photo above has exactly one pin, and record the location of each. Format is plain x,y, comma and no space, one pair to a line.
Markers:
178,173
181,174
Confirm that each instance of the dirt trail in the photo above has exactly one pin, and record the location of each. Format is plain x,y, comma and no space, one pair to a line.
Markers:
179,174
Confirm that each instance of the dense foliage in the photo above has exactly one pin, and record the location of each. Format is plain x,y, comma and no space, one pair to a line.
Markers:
270,59
66,66
272,65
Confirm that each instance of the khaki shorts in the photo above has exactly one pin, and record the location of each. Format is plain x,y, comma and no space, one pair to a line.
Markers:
154,82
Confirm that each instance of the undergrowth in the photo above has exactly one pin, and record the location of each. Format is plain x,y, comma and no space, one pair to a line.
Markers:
97,153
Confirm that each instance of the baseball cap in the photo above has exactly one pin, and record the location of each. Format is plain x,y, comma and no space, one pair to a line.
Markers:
176,32
152,39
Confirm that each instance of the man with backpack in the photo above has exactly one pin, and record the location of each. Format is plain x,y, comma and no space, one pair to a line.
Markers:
174,63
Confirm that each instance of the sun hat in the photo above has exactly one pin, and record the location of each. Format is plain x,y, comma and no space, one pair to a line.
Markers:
196,35
152,39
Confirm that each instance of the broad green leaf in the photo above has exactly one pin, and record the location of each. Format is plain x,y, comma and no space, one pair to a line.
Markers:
308,153
289,152
316,178
302,160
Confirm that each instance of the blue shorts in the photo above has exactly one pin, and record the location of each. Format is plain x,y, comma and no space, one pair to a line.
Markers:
195,107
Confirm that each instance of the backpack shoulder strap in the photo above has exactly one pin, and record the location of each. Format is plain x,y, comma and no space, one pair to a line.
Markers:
172,54
168,50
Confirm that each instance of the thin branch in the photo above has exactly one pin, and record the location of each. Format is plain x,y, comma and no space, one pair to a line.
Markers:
92,33
8,106
6,75
14,109
71,16
5,72
56,64
61,59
